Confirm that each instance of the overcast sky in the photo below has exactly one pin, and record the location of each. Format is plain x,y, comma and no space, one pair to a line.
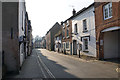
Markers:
45,13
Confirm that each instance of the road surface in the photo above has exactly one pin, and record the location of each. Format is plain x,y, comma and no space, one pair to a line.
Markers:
48,64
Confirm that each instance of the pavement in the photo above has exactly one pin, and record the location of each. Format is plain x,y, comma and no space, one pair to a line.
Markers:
44,64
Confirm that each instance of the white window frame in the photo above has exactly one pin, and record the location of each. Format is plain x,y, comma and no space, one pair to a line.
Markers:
63,25
67,48
67,31
67,23
107,6
85,24
63,33
84,49
75,28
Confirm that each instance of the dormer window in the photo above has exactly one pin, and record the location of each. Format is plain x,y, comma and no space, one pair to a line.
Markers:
107,9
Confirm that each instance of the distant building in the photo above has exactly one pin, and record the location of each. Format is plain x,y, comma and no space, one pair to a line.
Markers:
28,36
48,40
43,43
50,43
37,42
58,41
107,23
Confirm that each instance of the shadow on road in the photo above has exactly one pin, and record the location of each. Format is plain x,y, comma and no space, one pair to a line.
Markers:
58,70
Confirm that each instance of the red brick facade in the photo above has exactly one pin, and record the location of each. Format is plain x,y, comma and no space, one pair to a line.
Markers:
67,38
70,31
102,24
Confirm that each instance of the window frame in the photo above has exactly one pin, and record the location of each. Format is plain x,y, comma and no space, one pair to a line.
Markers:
75,28
86,39
67,45
67,31
108,11
85,26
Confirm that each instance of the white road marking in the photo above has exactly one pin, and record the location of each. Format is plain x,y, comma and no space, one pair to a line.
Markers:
48,71
42,70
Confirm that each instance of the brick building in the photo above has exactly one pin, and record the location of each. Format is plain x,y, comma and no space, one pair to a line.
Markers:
50,43
67,36
107,23
58,41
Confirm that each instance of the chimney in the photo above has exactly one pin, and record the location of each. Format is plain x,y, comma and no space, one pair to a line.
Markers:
74,12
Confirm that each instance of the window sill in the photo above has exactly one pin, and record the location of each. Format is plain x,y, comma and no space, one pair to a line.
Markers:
63,37
68,37
67,49
85,51
108,18
75,33
68,25
85,31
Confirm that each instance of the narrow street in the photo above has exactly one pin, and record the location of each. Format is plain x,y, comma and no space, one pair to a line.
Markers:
47,64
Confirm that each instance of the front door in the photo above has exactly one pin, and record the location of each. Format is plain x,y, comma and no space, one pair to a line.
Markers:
74,47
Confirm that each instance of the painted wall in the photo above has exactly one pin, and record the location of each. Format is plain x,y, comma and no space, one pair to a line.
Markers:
22,12
89,16
10,41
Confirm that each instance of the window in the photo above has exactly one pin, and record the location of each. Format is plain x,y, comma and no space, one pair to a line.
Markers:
63,33
86,44
75,28
11,33
63,25
22,20
107,9
67,23
67,32
85,25
67,45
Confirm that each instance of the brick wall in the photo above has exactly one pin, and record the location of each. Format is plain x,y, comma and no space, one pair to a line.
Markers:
102,24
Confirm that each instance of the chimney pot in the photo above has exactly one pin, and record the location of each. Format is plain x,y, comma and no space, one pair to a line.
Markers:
74,12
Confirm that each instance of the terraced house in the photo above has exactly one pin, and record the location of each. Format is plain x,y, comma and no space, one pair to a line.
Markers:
107,23
67,36
13,36
83,29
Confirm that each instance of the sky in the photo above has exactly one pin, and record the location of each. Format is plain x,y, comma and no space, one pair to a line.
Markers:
45,13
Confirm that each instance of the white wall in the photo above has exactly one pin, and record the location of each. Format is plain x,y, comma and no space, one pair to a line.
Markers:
22,12
89,16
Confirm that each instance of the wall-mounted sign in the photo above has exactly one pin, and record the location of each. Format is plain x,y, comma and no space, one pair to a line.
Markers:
101,42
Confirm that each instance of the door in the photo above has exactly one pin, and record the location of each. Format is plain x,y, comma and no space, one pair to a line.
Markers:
71,48
74,47
111,44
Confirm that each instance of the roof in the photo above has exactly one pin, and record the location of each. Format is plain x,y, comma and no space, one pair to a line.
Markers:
53,27
79,12
59,33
